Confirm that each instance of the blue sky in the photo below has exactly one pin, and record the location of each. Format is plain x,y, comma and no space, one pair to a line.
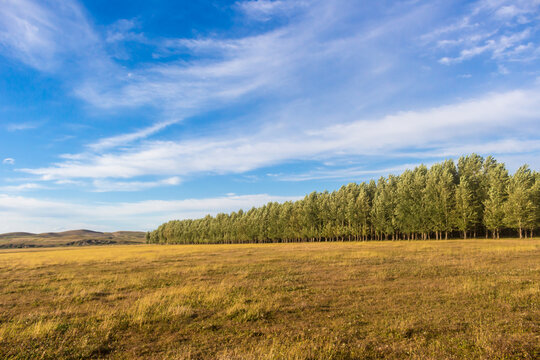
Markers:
125,114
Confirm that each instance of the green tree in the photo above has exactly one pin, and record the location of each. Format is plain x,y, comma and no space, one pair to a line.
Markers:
536,200
382,210
465,210
470,168
440,197
363,206
521,210
497,184
406,204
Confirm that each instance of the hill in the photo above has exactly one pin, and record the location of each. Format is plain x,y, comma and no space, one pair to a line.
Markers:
69,238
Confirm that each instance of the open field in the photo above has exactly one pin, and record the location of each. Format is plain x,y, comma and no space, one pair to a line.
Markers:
419,299
69,238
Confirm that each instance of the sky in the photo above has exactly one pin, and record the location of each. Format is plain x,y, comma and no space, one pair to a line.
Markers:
121,115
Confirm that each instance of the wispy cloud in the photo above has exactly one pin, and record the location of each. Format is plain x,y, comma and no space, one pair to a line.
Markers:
108,186
122,30
501,29
274,65
460,123
125,139
22,126
318,85
40,215
502,47
280,65
8,161
22,187
264,10
44,34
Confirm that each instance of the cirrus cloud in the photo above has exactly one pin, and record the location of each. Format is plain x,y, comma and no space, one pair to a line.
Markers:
514,112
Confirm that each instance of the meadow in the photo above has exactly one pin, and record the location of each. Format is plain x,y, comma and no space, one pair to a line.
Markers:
455,299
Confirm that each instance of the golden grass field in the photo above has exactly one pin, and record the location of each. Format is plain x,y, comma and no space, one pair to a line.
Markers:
474,299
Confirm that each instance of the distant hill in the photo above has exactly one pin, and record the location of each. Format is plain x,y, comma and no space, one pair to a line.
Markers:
81,237
15,234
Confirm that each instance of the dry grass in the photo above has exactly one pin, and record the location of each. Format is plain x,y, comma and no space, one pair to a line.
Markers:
420,300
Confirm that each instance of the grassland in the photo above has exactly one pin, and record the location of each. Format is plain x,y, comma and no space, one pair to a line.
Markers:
474,299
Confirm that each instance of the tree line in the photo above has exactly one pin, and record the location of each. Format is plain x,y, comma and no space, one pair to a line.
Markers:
476,197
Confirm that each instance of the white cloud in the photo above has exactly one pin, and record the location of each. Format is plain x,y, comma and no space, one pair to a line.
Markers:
502,70
502,29
121,30
263,10
281,63
124,139
42,34
185,88
226,71
8,161
21,126
348,173
283,67
108,186
40,215
501,47
512,113
22,187
506,9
